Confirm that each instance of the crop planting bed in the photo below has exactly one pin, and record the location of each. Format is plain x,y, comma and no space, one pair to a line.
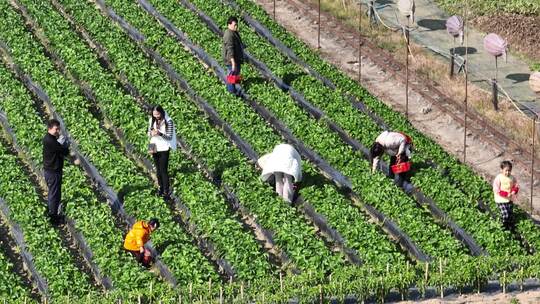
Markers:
225,236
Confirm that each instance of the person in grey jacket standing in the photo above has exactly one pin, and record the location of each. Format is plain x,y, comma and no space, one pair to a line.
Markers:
233,51
162,139
55,149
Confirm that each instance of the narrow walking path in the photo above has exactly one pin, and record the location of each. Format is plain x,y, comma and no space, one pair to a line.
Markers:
429,31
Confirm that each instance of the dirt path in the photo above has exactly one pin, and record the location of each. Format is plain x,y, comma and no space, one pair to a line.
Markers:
481,156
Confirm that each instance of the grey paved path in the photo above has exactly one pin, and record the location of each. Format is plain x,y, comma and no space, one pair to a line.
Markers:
430,32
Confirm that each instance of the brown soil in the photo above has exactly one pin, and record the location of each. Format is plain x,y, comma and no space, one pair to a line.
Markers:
522,32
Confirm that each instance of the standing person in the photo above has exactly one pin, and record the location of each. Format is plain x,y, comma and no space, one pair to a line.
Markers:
396,143
284,164
55,149
233,51
505,189
137,237
162,140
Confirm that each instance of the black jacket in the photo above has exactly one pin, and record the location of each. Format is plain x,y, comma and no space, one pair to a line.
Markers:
232,47
53,154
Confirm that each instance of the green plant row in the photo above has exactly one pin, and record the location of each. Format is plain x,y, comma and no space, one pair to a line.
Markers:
354,122
460,174
92,217
11,284
340,213
314,134
365,238
485,230
206,206
121,174
43,240
291,232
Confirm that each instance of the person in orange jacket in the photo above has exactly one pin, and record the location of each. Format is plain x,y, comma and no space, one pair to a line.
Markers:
137,237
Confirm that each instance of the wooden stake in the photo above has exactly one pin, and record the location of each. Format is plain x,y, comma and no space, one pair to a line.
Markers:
220,294
441,274
321,297
242,291
210,285
274,9
190,291
139,299
521,279
504,282
281,281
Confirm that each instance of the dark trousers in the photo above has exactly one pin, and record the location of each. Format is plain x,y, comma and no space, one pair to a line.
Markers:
54,184
161,160
232,87
400,177
144,258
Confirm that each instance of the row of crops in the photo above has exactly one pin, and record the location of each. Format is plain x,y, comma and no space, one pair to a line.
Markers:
97,65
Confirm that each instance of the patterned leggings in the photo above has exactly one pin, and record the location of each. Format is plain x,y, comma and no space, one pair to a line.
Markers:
506,214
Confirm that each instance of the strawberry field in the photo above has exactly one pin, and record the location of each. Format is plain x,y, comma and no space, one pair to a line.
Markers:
225,236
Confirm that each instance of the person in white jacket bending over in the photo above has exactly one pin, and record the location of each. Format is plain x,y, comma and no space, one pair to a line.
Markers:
284,164
399,145
162,139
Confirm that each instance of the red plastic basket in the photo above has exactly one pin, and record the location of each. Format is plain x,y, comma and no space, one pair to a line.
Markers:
234,79
401,167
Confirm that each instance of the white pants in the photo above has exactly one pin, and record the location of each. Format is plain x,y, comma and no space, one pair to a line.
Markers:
284,186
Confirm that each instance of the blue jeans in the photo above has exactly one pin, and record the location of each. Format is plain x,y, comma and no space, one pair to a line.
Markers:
231,87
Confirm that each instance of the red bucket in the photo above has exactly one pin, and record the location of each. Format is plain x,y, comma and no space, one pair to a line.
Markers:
234,79
401,167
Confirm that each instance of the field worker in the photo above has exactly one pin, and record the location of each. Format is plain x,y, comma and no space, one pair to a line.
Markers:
399,145
162,140
505,189
283,164
233,52
137,237
55,149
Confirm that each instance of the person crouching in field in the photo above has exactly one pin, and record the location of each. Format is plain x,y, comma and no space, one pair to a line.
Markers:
284,164
137,237
397,144
505,189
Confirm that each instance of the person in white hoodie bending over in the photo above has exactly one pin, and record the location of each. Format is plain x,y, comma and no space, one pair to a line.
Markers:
399,145
162,139
284,164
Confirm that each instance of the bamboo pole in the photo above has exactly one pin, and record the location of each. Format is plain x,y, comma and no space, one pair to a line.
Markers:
407,71
274,10
319,27
359,41
466,33
532,159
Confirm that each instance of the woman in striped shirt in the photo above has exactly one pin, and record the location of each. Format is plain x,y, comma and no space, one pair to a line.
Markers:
163,137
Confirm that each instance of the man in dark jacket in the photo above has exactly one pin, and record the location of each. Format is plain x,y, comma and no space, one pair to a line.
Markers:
233,51
55,149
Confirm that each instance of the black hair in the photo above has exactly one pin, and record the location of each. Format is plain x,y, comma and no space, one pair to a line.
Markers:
160,110
53,123
154,222
506,164
376,150
232,19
